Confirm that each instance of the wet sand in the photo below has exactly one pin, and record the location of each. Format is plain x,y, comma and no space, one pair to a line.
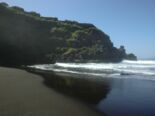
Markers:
129,96
24,94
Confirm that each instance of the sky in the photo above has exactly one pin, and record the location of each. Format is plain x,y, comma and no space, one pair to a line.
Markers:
128,22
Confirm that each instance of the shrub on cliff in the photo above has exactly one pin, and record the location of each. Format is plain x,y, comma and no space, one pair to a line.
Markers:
28,38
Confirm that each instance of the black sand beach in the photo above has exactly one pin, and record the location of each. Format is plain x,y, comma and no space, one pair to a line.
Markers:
27,94
24,94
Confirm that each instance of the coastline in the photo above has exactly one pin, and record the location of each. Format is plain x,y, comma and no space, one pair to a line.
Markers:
23,93
86,88
34,92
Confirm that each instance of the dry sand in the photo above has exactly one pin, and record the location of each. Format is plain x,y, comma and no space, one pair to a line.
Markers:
24,94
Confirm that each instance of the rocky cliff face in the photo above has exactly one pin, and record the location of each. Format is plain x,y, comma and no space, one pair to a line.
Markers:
27,38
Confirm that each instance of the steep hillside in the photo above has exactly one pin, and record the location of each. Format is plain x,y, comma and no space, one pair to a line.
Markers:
27,38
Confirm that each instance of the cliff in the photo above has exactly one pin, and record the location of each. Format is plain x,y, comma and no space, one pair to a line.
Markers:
27,38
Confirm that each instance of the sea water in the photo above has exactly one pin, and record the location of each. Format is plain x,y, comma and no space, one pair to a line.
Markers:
132,84
145,68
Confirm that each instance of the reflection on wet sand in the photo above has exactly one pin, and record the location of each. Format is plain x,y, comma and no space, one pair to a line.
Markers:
24,94
86,88
129,97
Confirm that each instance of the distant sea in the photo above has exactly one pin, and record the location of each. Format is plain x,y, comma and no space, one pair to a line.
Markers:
132,84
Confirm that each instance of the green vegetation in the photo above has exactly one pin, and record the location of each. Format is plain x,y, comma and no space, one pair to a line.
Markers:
27,38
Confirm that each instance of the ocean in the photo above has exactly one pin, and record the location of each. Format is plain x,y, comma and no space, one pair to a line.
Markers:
144,68
132,84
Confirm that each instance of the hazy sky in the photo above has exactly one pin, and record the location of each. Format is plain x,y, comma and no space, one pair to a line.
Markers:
128,22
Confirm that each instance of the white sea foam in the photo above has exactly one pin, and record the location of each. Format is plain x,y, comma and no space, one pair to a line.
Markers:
141,67
147,62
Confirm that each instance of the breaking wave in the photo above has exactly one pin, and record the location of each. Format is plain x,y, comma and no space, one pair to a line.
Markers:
126,67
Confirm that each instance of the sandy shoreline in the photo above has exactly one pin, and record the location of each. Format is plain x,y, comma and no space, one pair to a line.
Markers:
24,94
87,88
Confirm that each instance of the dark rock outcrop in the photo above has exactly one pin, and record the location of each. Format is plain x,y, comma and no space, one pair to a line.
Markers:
130,56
